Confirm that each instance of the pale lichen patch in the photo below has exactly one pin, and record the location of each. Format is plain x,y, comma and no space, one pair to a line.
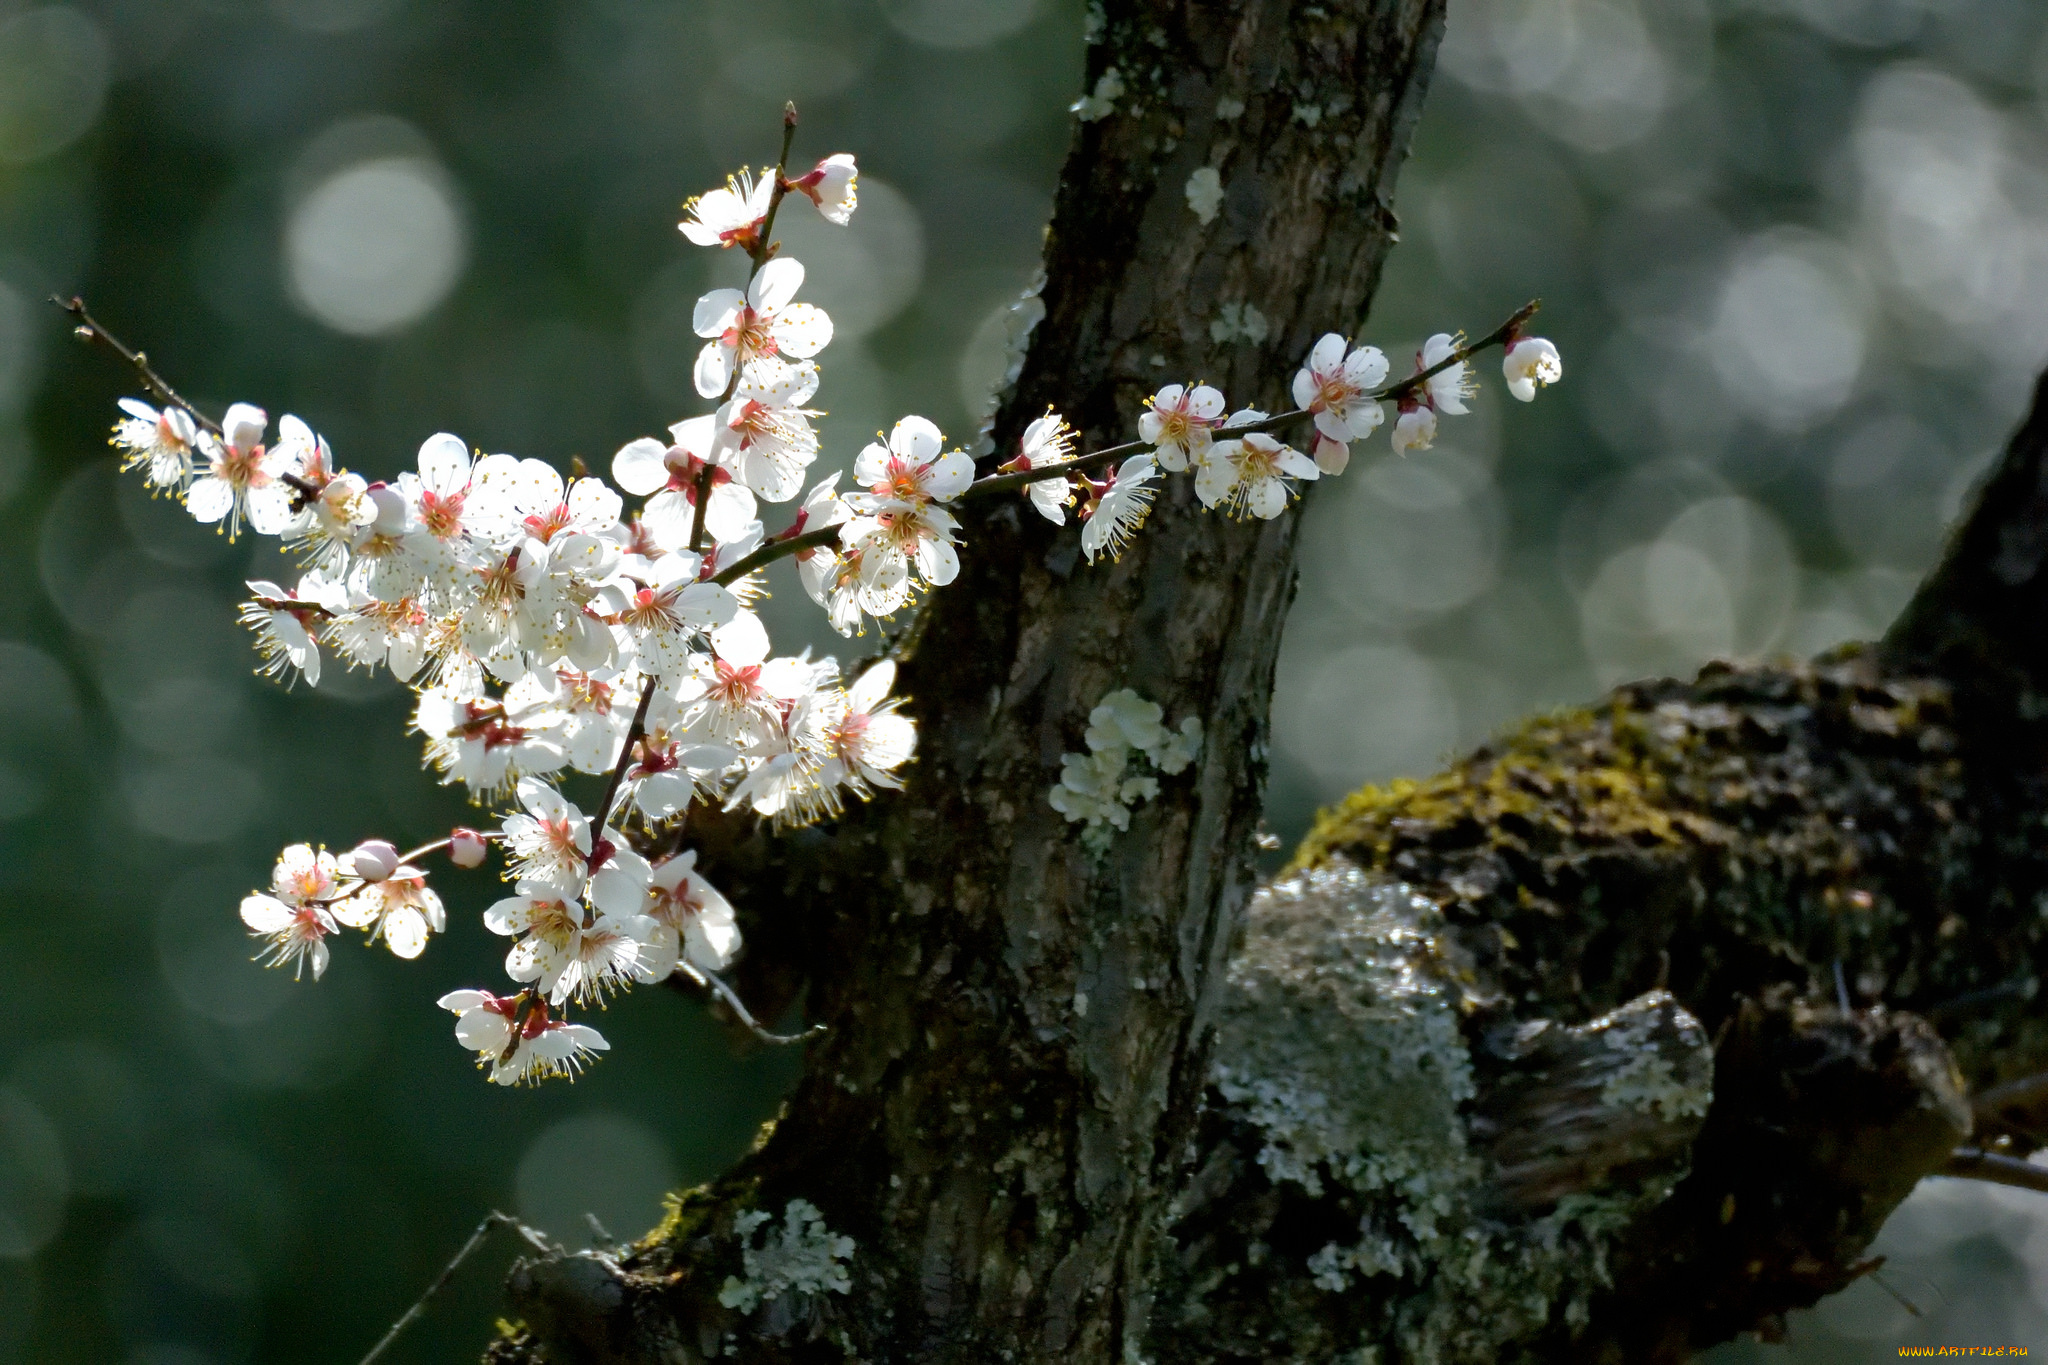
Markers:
1342,1048
803,1256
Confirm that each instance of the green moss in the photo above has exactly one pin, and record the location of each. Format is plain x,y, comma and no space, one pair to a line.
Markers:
1584,774
1760,823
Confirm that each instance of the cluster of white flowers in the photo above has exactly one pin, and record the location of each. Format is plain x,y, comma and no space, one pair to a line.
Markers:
549,630
1100,787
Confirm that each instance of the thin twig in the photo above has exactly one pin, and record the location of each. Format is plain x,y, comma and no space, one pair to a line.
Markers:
159,388
491,1223
1974,1163
633,737
713,982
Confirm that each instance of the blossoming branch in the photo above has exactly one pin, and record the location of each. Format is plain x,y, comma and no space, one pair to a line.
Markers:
553,634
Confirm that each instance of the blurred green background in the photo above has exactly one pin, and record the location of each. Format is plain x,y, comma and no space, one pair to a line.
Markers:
1794,250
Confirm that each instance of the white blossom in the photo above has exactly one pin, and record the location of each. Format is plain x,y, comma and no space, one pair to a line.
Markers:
672,473
1336,387
1251,476
1178,422
693,910
549,842
1529,362
516,1051
296,935
832,186
863,735
760,322
663,619
912,469
730,216
401,909
159,443
1120,511
1047,442
1448,389
242,475
1415,428
286,626
764,434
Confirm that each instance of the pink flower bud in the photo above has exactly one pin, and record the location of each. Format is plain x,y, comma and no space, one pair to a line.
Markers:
466,848
374,860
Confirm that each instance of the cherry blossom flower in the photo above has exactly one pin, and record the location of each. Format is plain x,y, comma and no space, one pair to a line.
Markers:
743,697
401,909
1449,389
296,935
1336,387
1251,476
671,773
484,1023
761,322
730,216
785,784
293,918
285,626
1119,512
471,739
671,473
550,841
898,536
1415,428
305,875
831,185
1178,423
1047,442
1529,362
160,444
912,469
860,585
763,434
663,619
439,495
511,499
585,714
330,524
692,909
864,737
557,581
817,565
242,475
518,1051
564,952
554,1048
370,631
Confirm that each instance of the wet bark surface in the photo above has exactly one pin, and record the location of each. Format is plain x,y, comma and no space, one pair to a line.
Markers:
1619,1037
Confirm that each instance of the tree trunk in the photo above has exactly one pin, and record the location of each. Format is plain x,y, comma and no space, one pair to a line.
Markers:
1542,1058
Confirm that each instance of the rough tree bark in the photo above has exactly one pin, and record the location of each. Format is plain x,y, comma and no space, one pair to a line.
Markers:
1543,1058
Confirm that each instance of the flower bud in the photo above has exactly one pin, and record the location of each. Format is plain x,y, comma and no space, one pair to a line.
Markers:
374,860
466,848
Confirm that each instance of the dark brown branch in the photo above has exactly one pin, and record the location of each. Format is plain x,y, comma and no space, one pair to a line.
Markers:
89,328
